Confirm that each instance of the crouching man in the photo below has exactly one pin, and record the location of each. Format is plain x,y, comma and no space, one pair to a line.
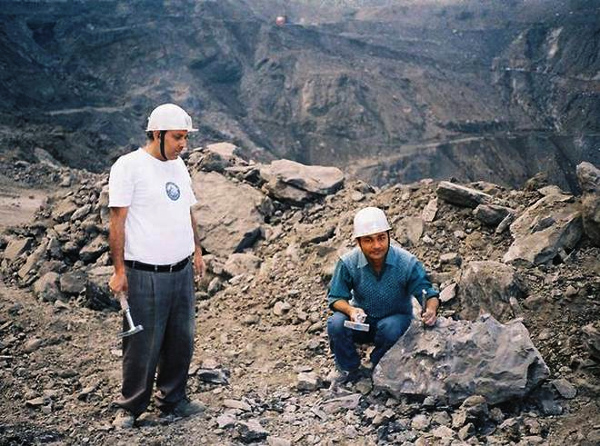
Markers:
374,284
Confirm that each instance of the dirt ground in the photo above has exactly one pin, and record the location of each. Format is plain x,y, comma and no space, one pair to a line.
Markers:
18,204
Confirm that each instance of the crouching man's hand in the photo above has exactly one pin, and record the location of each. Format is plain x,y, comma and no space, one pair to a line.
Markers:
429,316
358,315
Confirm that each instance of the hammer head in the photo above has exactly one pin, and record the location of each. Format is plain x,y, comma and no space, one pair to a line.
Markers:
131,331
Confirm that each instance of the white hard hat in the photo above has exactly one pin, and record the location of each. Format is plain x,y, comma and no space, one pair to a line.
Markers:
169,117
370,221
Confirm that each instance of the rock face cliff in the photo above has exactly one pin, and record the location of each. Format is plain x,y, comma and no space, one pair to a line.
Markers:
388,91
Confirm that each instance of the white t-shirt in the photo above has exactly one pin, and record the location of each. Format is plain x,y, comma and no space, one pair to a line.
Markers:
159,194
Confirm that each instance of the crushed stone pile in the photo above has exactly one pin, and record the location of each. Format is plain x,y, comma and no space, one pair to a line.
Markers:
272,234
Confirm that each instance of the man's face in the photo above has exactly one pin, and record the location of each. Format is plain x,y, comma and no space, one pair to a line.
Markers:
175,143
375,246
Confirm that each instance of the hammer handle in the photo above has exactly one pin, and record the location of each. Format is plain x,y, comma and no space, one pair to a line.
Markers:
129,320
123,301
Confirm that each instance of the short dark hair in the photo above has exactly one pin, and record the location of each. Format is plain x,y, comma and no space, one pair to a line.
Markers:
150,135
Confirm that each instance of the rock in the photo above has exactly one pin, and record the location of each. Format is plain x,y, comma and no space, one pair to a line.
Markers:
552,224
82,212
487,287
64,210
46,288
15,248
308,381
309,234
593,435
228,217
316,180
213,376
458,359
536,182
420,422
591,339
225,421
33,261
564,388
225,150
334,405
590,212
450,258
278,441
280,308
505,224
491,214
475,408
251,431
430,211
214,286
240,263
588,177
357,196
442,432
36,402
461,195
237,404
468,430
32,345
448,293
410,229
94,249
214,162
103,205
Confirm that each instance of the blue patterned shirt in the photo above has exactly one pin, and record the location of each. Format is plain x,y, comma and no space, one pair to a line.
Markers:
401,277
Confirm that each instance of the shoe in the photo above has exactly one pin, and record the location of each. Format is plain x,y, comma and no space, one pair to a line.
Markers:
341,377
124,419
184,408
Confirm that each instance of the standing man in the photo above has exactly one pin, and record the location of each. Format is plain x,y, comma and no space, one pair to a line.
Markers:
373,284
155,250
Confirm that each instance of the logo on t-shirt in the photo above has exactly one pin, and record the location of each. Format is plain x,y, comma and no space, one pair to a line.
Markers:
173,191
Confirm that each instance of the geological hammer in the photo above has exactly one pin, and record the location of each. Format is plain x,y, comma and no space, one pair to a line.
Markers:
133,329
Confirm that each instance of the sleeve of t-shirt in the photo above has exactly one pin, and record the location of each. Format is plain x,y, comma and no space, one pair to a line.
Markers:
340,285
192,195
120,185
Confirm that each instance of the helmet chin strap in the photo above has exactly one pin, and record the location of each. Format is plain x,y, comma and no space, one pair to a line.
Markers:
162,144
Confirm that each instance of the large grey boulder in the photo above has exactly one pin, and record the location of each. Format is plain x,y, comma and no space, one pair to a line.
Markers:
590,211
461,195
549,228
589,181
297,183
489,287
228,214
458,359
588,177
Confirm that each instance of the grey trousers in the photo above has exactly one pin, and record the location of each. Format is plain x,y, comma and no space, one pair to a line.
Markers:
163,303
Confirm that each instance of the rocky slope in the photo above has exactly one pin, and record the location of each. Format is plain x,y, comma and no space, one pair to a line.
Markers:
262,356
389,91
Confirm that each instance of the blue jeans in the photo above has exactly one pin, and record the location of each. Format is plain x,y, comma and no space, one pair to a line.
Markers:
164,304
383,333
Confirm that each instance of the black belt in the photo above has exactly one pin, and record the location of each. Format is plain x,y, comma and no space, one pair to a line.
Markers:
134,264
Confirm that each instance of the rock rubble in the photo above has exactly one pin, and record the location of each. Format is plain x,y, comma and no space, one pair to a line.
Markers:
262,360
